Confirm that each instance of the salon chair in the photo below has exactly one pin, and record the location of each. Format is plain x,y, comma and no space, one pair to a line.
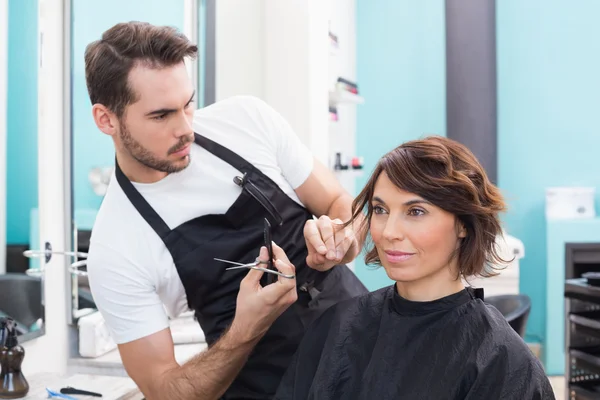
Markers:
515,308
86,300
21,299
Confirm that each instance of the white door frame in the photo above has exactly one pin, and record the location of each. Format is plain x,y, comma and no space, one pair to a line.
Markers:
54,197
3,127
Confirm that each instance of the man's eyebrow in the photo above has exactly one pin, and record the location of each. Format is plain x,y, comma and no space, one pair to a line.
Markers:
163,111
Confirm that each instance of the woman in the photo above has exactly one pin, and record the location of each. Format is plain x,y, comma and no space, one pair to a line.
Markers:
432,215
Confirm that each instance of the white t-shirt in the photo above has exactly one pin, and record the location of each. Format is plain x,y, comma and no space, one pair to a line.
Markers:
132,275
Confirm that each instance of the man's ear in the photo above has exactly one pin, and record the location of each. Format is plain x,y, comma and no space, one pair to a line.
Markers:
105,120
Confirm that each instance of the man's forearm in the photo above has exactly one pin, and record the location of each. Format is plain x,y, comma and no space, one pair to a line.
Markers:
210,373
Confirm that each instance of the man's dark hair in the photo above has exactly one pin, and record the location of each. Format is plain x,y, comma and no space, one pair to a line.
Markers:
109,60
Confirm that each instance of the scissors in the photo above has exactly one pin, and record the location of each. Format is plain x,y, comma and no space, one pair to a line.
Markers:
256,264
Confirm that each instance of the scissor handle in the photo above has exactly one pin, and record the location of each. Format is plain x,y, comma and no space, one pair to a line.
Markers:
270,271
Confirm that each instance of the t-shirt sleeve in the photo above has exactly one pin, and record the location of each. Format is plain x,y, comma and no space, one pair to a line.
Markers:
124,294
293,157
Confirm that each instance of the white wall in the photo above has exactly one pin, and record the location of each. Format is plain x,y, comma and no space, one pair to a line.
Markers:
343,63
3,109
268,48
279,51
239,43
296,67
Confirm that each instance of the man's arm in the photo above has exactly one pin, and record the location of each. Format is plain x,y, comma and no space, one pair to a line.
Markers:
327,241
316,187
151,363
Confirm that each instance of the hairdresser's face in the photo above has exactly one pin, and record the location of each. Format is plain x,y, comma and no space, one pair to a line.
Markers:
156,130
414,239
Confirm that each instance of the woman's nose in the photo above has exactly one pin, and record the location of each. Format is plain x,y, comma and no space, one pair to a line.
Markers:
393,229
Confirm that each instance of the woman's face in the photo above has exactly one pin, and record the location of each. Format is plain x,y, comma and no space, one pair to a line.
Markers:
414,239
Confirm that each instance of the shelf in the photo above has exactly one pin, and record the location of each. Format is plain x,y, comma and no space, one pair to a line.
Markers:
585,391
344,97
349,172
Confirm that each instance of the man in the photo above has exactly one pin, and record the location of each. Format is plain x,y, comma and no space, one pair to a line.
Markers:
191,186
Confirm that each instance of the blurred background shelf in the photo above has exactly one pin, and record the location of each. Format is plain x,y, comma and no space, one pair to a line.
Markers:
354,173
344,97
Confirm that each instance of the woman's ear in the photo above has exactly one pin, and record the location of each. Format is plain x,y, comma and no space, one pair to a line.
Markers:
462,231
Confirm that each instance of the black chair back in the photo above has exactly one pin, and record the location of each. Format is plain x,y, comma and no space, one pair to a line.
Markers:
515,308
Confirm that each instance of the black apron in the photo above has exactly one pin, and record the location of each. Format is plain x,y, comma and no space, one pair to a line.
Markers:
237,235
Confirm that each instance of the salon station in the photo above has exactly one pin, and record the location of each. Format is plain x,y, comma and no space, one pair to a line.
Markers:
514,84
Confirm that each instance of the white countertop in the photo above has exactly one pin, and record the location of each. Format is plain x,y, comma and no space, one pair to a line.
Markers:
111,388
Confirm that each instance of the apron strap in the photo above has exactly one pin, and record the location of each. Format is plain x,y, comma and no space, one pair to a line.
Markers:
140,203
225,154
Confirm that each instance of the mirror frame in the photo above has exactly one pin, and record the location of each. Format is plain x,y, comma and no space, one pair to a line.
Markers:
202,12
4,43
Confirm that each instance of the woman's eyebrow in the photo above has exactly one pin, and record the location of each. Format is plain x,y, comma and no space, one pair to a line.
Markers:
377,199
416,201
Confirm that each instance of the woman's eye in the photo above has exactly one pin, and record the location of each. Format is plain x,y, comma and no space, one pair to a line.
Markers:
415,212
378,210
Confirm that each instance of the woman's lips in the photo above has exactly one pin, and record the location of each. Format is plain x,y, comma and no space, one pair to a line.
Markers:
395,257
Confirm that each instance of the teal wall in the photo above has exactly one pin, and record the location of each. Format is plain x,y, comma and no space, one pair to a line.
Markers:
22,126
92,148
548,101
548,98
401,72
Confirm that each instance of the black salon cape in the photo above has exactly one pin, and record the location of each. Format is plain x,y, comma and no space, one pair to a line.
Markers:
381,346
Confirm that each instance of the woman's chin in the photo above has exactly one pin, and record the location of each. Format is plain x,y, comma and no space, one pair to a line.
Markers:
402,274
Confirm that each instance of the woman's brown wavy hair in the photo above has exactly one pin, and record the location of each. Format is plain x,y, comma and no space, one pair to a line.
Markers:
447,174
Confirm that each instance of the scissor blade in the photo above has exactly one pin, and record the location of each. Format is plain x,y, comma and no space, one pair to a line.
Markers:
229,262
268,271
240,266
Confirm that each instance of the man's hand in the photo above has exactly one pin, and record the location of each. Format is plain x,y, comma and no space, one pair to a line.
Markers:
210,373
257,306
329,243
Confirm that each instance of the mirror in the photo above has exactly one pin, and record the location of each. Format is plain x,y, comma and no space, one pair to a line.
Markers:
21,291
92,152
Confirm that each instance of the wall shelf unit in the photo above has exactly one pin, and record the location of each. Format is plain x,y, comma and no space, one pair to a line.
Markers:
338,97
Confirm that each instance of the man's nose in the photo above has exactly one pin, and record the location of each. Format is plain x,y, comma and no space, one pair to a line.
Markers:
184,125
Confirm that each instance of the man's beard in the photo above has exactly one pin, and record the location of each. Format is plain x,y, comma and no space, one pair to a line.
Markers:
144,157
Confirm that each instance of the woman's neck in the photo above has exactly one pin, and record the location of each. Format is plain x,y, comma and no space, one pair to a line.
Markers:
432,287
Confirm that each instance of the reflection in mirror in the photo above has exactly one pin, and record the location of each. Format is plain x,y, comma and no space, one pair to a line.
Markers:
21,293
92,152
